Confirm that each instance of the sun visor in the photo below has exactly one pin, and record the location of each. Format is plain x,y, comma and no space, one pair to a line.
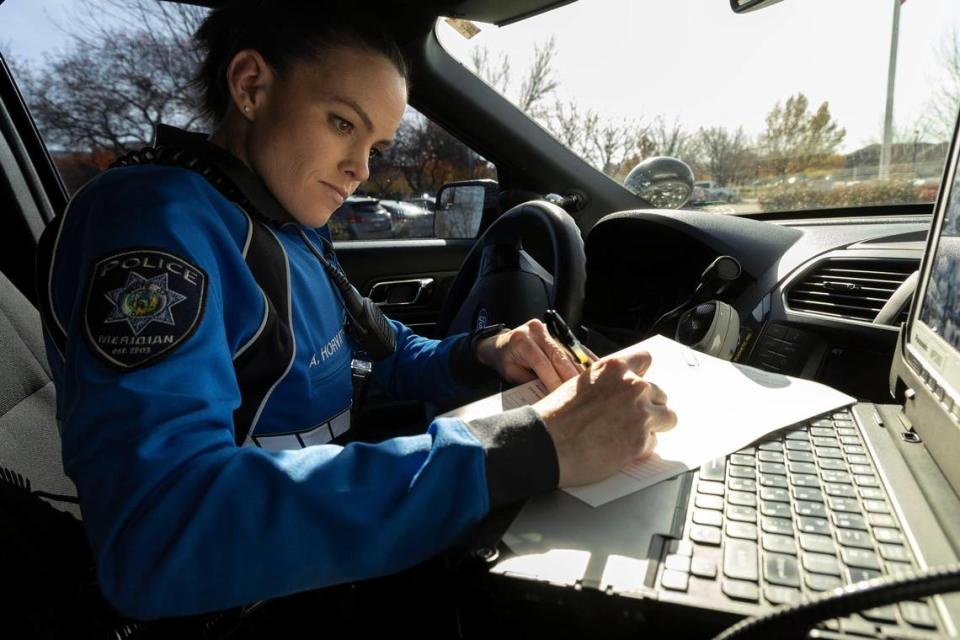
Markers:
502,12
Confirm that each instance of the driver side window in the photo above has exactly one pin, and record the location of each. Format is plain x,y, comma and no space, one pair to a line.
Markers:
398,201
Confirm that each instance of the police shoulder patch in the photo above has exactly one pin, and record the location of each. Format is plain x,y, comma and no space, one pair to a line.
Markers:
140,305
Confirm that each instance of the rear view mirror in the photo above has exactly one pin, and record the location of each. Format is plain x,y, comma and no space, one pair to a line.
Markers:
460,207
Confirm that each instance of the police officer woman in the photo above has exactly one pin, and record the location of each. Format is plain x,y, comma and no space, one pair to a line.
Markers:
201,341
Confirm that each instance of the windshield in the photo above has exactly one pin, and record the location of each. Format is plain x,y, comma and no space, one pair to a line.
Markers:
781,109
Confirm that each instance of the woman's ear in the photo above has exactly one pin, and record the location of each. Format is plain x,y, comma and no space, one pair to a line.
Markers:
249,79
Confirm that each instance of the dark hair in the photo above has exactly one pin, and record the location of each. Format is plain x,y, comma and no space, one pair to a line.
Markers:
283,32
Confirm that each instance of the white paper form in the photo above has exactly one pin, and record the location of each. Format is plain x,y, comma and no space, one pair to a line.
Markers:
721,407
514,398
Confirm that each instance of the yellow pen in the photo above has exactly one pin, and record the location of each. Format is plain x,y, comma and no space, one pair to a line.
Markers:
562,333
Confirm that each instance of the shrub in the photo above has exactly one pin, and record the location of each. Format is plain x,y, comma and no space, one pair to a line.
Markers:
807,195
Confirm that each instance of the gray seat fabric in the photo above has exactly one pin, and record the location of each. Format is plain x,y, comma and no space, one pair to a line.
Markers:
29,437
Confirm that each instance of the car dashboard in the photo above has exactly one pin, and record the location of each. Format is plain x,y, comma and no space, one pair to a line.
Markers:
819,298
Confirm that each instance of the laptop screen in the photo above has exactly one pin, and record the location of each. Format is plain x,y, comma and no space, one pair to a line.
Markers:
935,332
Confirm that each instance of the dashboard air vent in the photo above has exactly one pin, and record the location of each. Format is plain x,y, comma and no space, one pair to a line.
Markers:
851,288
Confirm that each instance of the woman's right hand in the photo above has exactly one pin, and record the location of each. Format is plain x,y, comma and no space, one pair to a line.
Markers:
605,418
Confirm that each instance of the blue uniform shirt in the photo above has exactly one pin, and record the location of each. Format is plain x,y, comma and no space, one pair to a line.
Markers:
149,286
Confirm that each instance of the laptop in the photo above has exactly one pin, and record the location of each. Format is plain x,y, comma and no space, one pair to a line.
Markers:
862,492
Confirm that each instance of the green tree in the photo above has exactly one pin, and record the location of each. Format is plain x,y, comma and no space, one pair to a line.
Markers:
796,138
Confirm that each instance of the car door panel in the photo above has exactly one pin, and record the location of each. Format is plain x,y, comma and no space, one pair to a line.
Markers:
386,263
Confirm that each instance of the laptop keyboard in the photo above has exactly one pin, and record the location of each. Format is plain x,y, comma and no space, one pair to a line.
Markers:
802,512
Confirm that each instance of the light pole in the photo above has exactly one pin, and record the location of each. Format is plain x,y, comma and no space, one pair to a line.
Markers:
916,140
886,149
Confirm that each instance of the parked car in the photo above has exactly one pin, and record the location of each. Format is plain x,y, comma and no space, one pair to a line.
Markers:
409,219
361,218
425,202
706,191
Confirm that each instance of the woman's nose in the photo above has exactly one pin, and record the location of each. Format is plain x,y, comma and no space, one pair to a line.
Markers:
357,166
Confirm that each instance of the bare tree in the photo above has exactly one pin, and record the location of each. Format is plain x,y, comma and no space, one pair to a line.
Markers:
942,110
613,147
19,66
726,155
107,92
385,180
610,143
617,145
427,157
573,126
166,25
539,82
671,139
497,74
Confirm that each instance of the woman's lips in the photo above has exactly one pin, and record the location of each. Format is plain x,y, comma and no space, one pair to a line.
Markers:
340,193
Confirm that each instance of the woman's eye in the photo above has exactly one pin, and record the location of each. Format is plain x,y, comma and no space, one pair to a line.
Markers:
375,153
341,125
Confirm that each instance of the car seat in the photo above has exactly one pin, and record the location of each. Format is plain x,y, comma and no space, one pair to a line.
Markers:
29,438
48,586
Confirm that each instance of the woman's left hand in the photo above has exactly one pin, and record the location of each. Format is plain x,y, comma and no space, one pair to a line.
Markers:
526,353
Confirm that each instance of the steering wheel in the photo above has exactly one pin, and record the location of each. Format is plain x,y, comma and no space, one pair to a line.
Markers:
500,282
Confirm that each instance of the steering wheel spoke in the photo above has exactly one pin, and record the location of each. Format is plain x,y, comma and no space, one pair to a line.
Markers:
500,282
